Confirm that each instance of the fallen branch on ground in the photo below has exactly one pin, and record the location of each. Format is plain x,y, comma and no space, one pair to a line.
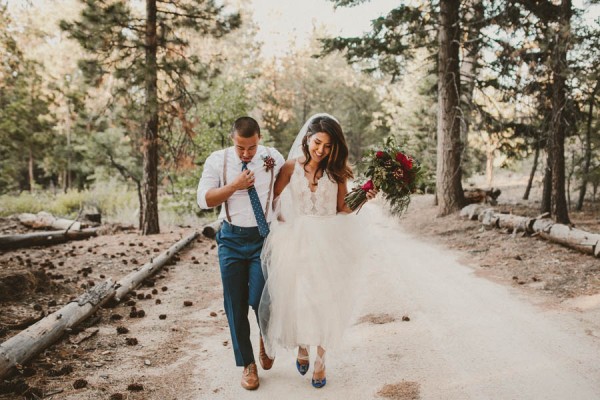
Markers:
477,195
11,242
25,345
569,236
44,220
210,230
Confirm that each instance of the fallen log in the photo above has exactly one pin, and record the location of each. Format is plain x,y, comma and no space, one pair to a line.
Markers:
44,220
577,239
25,345
477,195
11,242
134,279
514,223
546,228
541,225
472,211
488,218
210,230
26,323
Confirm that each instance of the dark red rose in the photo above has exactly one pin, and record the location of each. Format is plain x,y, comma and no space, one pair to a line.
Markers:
368,186
379,154
405,161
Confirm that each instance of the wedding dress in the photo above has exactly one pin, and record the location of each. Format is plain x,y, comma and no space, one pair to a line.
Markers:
311,263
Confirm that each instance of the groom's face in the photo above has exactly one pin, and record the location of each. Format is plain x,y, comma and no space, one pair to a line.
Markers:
246,147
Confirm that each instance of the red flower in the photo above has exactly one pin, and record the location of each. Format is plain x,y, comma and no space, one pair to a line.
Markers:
405,161
368,186
379,154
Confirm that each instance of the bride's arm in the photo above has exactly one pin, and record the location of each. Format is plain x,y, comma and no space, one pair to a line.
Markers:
282,180
342,207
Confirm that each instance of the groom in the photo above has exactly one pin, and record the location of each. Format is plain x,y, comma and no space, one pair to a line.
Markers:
241,178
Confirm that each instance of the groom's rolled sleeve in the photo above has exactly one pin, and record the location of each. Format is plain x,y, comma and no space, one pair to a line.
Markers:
210,180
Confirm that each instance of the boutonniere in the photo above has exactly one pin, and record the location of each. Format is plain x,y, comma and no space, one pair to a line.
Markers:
269,162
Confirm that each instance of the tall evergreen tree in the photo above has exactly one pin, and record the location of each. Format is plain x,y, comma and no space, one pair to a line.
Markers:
146,52
546,39
390,45
26,123
449,190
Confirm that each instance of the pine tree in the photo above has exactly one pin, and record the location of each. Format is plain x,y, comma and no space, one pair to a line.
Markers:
145,51
390,45
26,123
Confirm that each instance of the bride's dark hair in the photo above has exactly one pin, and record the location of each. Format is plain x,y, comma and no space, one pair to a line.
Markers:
336,163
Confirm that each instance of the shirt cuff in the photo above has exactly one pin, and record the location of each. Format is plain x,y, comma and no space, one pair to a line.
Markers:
202,199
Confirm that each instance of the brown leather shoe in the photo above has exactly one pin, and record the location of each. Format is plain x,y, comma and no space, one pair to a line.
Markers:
265,362
250,377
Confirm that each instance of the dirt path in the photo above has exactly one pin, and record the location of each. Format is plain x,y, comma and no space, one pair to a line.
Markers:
467,337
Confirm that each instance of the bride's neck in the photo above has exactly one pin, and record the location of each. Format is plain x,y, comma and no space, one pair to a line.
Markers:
312,165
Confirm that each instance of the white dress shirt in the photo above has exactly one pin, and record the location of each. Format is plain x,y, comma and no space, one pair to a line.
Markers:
240,209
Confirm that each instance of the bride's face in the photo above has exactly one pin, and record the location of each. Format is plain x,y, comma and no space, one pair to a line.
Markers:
319,146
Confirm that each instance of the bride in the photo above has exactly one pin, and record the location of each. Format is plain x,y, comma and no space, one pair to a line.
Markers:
310,255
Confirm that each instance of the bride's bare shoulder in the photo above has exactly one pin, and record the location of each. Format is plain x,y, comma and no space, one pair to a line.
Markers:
288,166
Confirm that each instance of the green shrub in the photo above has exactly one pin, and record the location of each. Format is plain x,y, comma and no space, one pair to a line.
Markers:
111,198
115,200
21,203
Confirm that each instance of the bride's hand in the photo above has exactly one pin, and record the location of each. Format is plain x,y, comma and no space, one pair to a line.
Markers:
371,194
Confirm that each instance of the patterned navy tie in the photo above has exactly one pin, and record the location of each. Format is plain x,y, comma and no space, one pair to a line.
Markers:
261,221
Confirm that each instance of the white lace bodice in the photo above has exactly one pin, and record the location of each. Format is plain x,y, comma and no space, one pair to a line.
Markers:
321,202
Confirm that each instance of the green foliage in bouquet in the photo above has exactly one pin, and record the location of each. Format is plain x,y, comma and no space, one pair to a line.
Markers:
396,174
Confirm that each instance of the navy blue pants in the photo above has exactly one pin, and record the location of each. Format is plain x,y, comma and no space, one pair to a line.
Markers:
243,283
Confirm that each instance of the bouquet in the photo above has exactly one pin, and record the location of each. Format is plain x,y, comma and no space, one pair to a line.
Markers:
393,172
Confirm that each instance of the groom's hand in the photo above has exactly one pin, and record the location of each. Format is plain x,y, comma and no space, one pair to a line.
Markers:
243,180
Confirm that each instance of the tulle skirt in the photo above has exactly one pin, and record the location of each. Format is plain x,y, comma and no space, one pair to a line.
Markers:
312,268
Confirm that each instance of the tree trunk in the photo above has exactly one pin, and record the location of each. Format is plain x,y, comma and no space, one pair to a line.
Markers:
141,201
545,206
558,125
149,210
449,147
587,158
48,238
532,174
67,183
489,165
30,170
570,179
471,43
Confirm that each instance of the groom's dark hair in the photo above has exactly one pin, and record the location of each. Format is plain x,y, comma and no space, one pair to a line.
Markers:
245,127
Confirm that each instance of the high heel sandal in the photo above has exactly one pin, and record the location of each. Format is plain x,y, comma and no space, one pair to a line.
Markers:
319,383
302,367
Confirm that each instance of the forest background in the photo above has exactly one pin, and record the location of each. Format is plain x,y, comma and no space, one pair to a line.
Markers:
116,104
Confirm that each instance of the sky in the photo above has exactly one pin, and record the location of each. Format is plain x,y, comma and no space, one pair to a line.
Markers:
281,22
